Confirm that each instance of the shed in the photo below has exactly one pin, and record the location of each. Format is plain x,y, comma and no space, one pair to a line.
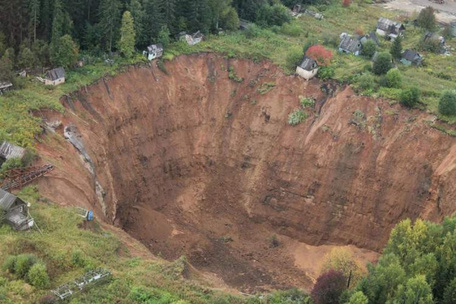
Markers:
154,51
8,150
389,29
350,45
15,211
5,86
307,69
411,57
55,77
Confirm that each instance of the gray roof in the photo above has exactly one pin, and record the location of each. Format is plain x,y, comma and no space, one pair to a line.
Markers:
55,74
389,25
7,200
411,55
351,44
5,85
8,151
308,64
371,36
155,47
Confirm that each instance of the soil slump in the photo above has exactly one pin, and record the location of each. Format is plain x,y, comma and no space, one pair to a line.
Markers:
195,163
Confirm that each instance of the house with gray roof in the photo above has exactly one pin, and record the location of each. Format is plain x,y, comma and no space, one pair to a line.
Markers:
8,151
154,51
308,68
389,29
371,36
350,45
15,211
55,77
411,57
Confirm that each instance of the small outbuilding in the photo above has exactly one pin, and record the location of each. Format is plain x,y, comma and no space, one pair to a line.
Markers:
5,86
350,45
154,51
192,39
55,77
411,57
389,29
15,211
8,151
308,68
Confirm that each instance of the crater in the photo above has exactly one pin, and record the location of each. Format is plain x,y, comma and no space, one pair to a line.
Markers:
201,162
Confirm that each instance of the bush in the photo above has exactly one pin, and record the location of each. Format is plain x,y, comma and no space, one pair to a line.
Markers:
9,264
369,49
447,103
410,98
396,48
77,259
329,287
366,82
293,58
306,102
383,63
37,276
393,79
429,45
320,54
296,117
326,72
48,299
426,19
23,264
270,15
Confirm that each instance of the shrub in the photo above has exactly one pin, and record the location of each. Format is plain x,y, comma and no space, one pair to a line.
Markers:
326,72
329,287
429,45
293,58
369,49
48,299
366,82
426,18
447,103
37,276
306,102
296,117
23,264
291,29
410,97
270,15
383,63
77,259
9,264
394,78
320,54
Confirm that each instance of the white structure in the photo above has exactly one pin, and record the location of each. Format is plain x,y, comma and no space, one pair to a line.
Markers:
307,69
55,77
192,39
154,51
5,86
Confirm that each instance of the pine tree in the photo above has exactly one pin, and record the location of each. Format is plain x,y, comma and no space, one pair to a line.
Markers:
127,35
154,19
168,11
137,12
64,52
34,7
109,20
61,22
396,48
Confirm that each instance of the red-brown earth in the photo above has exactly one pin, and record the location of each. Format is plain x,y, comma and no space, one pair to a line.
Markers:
195,163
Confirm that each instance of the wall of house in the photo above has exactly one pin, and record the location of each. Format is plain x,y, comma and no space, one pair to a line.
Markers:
380,32
306,74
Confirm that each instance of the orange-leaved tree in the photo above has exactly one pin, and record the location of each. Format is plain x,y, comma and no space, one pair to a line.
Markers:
320,54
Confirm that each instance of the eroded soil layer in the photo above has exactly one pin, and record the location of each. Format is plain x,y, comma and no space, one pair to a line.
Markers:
197,163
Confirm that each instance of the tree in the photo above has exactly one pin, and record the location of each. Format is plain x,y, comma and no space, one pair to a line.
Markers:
358,298
127,35
329,287
369,48
270,15
38,276
447,103
417,290
163,36
409,98
396,48
394,78
383,64
154,20
6,69
34,11
40,50
449,297
61,22
23,264
65,53
426,19
109,20
229,20
320,54
342,260
137,12
26,58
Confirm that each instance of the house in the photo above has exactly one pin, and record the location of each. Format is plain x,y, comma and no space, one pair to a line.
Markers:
296,11
371,36
5,86
307,69
192,39
15,211
350,45
8,151
389,29
154,51
411,57
55,77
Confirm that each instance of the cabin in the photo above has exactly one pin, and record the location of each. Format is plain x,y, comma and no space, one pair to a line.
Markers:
350,45
411,57
55,77
15,211
5,86
389,29
192,39
154,51
8,151
307,69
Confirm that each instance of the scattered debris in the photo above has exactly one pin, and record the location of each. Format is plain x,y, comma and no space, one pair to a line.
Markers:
8,150
5,86
86,214
314,14
19,177
15,211
191,39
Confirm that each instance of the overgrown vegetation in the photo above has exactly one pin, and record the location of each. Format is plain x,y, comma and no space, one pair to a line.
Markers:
296,117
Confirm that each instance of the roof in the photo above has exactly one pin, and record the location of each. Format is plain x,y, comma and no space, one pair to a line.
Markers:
7,200
55,74
350,44
410,55
308,64
387,25
371,36
155,47
8,151
197,35
5,85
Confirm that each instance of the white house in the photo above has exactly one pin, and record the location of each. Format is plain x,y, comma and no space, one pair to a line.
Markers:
154,51
307,69
55,77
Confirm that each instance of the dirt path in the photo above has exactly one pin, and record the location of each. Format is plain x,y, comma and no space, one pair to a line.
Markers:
446,12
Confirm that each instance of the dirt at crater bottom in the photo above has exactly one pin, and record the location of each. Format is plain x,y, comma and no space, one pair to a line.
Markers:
201,164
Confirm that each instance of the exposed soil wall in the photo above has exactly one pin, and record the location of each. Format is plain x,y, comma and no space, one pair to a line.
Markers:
194,163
